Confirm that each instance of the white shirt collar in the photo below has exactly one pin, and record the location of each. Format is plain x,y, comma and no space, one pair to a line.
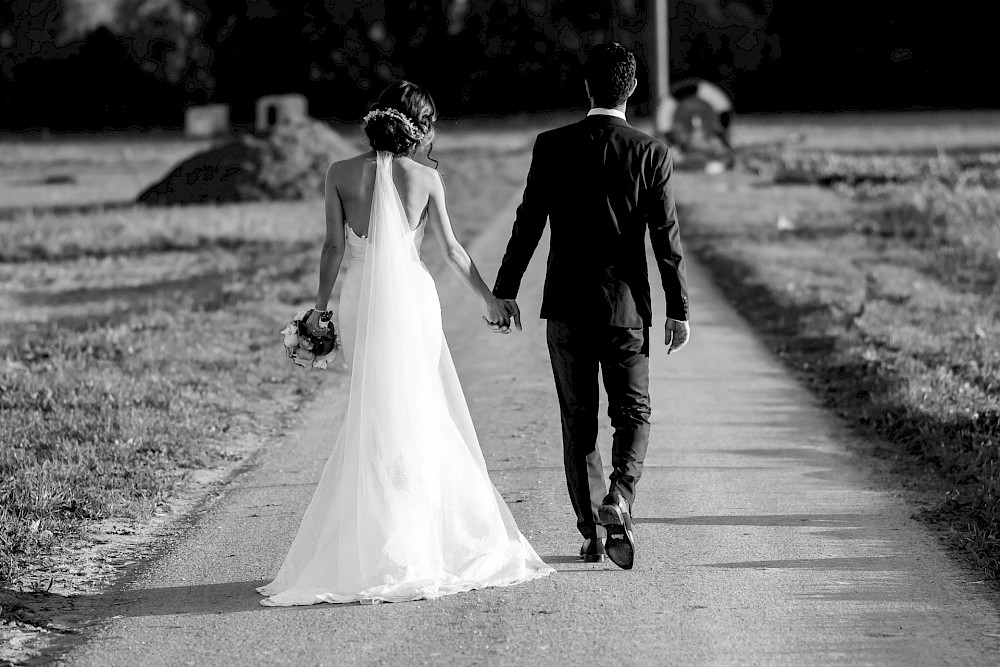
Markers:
600,111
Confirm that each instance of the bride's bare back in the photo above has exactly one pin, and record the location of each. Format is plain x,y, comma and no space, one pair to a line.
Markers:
350,184
349,189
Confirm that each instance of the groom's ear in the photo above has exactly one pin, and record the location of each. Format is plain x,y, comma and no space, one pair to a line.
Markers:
635,84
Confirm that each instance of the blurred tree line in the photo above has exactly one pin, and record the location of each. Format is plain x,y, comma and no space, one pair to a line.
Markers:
90,64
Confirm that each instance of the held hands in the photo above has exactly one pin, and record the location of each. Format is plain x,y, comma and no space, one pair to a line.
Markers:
499,313
678,333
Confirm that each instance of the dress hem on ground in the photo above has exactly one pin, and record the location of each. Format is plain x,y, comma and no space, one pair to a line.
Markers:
429,592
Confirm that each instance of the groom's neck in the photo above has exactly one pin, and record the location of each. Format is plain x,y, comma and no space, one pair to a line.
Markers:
620,107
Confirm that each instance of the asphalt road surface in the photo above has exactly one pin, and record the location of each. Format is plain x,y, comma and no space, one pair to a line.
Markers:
761,541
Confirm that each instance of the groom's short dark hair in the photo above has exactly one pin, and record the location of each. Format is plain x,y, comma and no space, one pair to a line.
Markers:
609,70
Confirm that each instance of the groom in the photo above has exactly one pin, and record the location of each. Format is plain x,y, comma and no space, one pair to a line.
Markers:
602,184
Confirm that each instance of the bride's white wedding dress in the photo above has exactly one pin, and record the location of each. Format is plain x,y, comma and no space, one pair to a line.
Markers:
405,508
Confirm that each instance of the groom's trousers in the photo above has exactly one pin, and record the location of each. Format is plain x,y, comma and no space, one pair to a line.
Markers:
577,351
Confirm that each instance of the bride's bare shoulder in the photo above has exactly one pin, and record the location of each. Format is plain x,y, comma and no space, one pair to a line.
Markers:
349,170
414,167
416,173
351,163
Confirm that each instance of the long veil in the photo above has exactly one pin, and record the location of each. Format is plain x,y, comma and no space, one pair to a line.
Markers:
405,508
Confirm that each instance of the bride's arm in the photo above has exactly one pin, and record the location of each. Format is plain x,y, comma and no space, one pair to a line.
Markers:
456,256
334,246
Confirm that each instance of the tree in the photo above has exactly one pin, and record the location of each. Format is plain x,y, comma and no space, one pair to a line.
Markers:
165,39
82,17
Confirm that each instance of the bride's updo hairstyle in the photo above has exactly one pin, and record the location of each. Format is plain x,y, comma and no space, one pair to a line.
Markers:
402,120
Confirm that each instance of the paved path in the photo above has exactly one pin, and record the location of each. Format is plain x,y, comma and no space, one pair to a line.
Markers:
762,542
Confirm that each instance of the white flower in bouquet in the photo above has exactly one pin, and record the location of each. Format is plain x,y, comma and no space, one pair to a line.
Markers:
291,335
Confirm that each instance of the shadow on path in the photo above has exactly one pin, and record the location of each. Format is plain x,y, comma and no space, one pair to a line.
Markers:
853,564
55,611
818,520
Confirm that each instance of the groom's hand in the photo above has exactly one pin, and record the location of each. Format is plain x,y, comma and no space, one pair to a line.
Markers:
678,333
513,311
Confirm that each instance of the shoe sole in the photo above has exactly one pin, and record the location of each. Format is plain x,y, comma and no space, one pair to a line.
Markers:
620,543
593,558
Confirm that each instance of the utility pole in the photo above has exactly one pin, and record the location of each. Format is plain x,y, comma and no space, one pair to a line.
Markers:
664,104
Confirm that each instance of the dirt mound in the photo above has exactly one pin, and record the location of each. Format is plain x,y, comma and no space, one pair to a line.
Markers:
288,163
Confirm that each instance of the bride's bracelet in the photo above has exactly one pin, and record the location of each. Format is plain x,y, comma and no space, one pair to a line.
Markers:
325,317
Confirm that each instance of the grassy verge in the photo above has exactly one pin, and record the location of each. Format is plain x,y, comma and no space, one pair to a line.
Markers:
138,346
887,299
120,377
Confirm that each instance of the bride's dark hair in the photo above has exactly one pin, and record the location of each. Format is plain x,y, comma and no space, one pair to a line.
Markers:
404,135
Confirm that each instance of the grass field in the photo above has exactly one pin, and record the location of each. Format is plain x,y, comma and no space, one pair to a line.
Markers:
884,293
45,173
889,132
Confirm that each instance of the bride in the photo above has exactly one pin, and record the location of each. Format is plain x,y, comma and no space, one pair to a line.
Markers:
405,508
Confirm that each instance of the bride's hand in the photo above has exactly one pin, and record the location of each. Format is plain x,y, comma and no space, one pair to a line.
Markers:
312,323
495,314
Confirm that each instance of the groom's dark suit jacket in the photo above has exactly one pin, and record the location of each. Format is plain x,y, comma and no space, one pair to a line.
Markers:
602,184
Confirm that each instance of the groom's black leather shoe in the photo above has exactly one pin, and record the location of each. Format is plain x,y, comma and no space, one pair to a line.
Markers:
593,551
616,518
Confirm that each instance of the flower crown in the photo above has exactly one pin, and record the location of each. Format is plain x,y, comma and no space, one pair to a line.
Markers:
392,113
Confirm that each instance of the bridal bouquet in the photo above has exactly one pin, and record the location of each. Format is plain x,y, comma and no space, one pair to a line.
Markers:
305,349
